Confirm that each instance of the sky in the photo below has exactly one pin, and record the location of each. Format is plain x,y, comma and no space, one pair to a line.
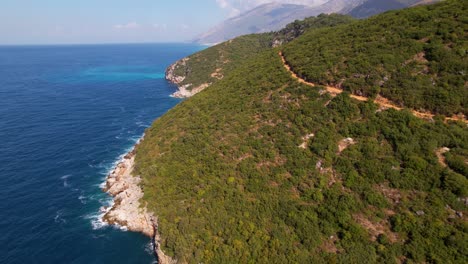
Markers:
116,21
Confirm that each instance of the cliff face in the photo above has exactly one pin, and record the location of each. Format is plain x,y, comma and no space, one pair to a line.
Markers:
125,189
170,71
176,79
177,73
162,257
127,210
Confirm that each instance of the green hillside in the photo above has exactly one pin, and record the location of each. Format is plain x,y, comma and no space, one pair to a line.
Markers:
212,64
416,58
299,27
260,168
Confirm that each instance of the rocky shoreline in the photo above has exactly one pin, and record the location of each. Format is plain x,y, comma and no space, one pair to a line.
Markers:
185,93
170,75
127,210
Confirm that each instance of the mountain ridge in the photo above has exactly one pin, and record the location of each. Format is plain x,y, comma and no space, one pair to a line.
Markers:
274,16
198,71
270,17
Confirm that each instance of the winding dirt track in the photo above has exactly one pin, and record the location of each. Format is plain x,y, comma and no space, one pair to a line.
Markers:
379,100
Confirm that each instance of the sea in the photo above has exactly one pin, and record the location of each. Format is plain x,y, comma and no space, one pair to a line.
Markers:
68,113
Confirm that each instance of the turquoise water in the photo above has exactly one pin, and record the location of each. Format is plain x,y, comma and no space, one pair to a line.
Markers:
67,114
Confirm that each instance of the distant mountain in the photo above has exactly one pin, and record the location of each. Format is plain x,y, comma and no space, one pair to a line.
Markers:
271,17
374,7
274,16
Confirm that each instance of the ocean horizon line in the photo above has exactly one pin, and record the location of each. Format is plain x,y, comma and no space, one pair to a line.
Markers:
99,44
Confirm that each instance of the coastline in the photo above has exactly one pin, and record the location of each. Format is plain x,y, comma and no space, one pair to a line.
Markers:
126,211
183,91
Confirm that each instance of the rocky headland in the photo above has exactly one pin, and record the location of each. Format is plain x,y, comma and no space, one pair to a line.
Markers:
127,210
170,71
184,90
172,77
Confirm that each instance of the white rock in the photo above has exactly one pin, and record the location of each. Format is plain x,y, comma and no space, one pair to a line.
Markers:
127,211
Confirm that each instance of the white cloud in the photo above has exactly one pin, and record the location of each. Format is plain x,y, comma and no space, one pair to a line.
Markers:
160,27
131,25
235,7
222,3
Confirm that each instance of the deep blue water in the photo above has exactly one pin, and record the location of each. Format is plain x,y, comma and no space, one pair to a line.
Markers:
67,113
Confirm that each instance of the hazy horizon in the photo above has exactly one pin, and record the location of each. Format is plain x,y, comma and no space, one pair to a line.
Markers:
57,22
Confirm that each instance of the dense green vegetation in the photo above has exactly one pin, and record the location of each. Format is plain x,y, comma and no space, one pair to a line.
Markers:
299,27
225,173
416,57
210,65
